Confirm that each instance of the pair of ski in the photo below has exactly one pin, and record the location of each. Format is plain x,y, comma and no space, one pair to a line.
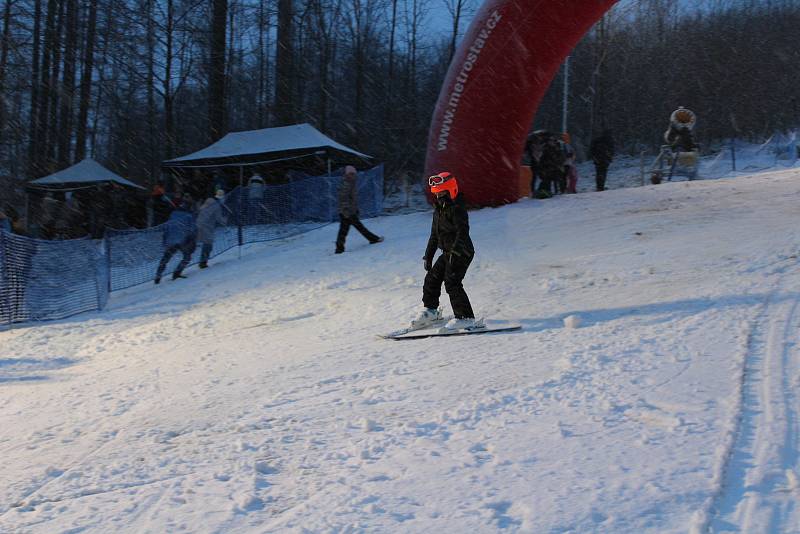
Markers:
437,329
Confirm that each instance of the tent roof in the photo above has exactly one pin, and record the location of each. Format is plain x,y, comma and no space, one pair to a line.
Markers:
87,171
284,139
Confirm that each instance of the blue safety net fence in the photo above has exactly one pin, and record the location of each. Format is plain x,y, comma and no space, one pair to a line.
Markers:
43,280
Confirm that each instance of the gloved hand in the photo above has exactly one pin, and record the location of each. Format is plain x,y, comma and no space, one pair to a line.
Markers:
428,263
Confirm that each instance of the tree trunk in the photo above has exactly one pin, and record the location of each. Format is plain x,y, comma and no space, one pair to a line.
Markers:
359,97
52,124
284,65
323,34
216,81
457,7
412,52
86,82
68,85
169,126
102,93
39,148
153,156
261,101
34,128
4,46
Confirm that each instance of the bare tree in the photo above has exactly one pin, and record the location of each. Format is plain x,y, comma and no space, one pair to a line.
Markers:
263,42
55,73
34,129
216,71
5,45
68,85
326,17
86,82
457,9
284,65
361,21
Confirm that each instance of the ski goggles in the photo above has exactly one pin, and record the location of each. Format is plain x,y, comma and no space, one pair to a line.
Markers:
438,179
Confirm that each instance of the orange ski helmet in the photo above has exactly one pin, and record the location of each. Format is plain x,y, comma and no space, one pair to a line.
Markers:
444,182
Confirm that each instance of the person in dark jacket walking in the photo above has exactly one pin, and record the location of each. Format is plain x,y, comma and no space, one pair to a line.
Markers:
180,234
348,211
450,234
602,152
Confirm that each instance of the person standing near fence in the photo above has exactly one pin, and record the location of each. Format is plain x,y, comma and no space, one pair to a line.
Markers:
256,211
602,152
16,224
348,210
211,215
5,221
49,212
180,234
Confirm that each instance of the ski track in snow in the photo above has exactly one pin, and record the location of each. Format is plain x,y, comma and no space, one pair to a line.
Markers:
760,490
254,397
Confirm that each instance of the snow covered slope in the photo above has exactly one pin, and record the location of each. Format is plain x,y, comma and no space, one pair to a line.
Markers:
256,397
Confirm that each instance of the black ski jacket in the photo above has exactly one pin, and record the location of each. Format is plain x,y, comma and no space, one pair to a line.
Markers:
450,230
680,138
551,164
602,150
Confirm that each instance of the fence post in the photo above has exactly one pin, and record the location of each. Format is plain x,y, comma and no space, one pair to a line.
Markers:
733,154
5,292
106,247
641,167
107,244
330,201
239,215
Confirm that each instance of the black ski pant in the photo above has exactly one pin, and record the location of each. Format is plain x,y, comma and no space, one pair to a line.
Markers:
451,273
562,182
550,181
205,252
600,171
345,223
186,249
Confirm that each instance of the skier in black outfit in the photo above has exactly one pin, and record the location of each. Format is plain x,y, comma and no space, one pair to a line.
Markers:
450,233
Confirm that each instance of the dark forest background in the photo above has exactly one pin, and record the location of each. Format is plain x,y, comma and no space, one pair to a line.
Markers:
134,82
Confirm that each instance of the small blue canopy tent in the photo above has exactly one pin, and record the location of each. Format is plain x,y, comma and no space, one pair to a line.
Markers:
85,173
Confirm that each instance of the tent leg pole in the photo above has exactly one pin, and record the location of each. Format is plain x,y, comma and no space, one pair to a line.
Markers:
27,212
241,192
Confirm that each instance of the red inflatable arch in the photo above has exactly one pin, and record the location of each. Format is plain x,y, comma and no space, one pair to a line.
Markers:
497,78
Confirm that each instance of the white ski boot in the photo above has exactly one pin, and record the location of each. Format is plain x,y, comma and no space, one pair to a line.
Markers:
426,317
464,324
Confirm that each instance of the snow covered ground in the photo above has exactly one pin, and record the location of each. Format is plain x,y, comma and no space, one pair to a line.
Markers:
255,396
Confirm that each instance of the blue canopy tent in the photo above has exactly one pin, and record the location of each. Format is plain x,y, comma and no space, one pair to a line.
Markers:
105,199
